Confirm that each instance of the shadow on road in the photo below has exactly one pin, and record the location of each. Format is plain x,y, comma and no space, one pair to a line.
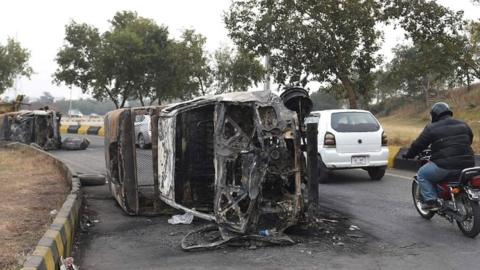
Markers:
348,177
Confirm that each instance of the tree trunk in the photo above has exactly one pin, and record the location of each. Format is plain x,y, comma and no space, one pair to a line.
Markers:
351,95
112,98
468,81
427,88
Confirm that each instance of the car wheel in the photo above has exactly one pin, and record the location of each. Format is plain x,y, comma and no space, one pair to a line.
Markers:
323,171
376,173
141,141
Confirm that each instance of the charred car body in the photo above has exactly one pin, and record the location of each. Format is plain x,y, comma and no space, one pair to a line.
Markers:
235,159
41,127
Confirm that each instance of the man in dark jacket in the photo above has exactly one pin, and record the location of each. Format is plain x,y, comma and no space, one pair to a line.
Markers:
450,141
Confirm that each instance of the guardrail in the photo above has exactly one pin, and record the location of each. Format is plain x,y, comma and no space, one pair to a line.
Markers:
58,240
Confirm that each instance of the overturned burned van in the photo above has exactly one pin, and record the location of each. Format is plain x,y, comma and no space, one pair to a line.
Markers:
41,127
235,159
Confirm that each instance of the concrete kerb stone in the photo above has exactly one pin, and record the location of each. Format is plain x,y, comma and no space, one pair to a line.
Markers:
58,240
82,129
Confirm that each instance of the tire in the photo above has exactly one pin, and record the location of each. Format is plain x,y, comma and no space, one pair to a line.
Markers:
323,171
417,202
471,226
141,141
92,179
376,173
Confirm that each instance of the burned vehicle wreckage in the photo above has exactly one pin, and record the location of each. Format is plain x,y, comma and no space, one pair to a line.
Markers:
235,159
39,127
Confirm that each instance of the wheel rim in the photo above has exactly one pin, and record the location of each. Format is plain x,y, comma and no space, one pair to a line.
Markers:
467,224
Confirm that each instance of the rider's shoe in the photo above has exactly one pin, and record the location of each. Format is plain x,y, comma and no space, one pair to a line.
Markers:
431,205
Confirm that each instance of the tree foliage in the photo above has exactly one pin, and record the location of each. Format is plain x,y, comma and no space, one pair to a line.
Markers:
437,55
329,41
235,70
134,59
13,63
337,41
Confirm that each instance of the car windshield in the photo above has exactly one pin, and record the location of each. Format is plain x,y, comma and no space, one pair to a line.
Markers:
354,122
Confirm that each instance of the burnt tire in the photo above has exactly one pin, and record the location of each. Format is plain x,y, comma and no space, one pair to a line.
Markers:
376,173
323,171
471,226
92,179
417,202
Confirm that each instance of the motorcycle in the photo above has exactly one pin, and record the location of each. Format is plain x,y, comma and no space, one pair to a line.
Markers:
459,198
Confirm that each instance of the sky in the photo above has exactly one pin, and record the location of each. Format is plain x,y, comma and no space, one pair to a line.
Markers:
39,26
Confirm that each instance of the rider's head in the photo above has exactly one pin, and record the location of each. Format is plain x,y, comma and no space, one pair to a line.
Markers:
440,109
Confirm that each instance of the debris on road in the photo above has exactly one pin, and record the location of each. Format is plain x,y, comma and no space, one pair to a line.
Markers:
353,228
211,237
75,143
186,218
53,213
67,264
92,179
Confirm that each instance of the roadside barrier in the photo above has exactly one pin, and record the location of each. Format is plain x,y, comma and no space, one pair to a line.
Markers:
82,129
412,165
392,154
58,240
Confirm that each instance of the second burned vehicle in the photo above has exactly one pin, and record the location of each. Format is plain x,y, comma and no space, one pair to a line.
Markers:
235,159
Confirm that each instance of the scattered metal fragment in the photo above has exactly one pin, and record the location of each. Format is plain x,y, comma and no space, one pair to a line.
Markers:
211,237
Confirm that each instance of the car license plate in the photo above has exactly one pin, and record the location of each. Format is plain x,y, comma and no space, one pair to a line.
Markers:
359,160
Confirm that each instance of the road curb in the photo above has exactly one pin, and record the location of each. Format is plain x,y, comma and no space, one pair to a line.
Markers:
57,241
82,129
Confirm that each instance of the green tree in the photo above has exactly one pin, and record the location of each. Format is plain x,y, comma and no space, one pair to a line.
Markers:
235,70
469,68
13,63
129,61
414,71
329,41
191,74
322,100
437,55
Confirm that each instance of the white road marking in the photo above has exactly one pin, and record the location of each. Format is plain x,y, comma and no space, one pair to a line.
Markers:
399,176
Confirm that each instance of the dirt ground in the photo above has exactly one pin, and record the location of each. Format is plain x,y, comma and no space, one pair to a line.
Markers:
30,187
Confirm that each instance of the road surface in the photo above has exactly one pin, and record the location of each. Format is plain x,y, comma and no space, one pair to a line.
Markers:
392,235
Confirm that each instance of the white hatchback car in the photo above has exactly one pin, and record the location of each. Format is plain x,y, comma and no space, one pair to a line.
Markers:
350,139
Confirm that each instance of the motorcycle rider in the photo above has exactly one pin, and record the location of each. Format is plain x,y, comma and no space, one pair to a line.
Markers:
450,141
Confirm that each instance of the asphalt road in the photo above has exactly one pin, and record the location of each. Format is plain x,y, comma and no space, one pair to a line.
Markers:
391,236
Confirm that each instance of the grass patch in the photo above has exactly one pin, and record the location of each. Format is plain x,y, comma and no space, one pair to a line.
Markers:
30,187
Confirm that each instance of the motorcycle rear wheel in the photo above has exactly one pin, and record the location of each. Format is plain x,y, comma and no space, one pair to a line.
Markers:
471,226
417,202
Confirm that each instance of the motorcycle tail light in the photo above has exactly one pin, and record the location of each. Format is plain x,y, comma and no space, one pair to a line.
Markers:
475,182
455,190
